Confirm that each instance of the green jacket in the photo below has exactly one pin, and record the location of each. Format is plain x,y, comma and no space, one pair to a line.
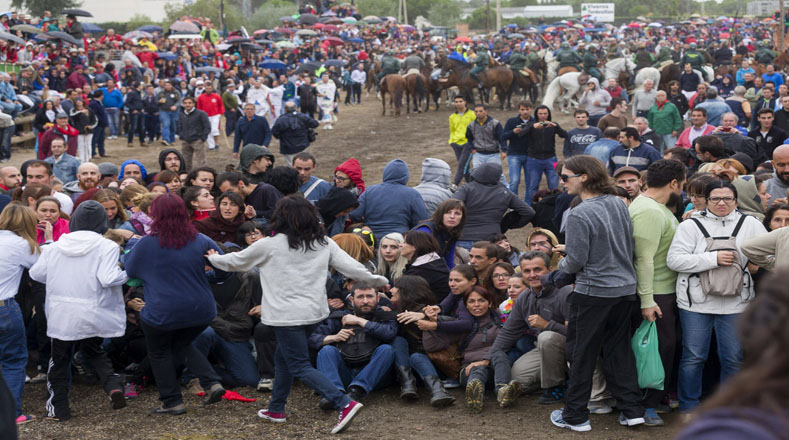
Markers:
568,57
531,57
518,61
390,64
694,57
666,120
481,59
664,55
642,58
590,61
765,55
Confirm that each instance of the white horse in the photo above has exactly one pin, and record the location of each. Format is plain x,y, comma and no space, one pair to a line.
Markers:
613,68
645,74
567,82
552,66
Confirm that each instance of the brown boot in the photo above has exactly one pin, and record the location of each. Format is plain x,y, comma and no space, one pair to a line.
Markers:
130,145
143,144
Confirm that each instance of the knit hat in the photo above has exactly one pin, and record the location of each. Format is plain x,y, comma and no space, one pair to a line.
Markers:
250,153
89,216
108,169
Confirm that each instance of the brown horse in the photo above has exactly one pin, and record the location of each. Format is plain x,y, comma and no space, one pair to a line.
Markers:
526,84
566,69
781,61
374,70
669,73
393,84
460,75
433,86
415,87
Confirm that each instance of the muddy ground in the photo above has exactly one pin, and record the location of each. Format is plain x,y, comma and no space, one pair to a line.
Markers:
374,140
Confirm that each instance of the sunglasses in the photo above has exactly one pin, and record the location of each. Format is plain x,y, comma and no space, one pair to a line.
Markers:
365,232
566,177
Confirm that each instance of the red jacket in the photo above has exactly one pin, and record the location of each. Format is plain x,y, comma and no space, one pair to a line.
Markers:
684,137
147,57
353,169
211,104
69,132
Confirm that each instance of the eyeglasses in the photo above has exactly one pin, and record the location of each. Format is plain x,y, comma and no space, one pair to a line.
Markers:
253,234
367,233
501,276
566,177
341,179
716,200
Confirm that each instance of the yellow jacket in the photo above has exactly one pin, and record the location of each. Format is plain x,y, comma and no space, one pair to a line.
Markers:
457,126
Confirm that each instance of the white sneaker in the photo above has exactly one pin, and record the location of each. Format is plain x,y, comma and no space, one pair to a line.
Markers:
265,384
599,408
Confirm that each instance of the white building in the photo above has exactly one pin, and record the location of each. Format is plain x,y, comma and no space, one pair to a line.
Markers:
117,10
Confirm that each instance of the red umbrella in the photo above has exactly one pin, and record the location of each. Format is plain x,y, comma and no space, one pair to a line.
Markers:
331,28
334,41
260,31
318,25
634,25
462,40
284,30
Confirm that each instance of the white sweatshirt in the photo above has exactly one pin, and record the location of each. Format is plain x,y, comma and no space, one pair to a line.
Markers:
294,281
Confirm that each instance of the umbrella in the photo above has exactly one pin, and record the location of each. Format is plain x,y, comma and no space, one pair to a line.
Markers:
722,18
310,66
332,20
185,26
284,30
238,40
462,40
531,31
27,28
549,29
209,69
318,26
57,35
335,63
349,20
136,35
578,26
9,37
272,64
308,19
286,44
634,26
655,25
512,25
594,30
264,41
306,32
329,14
91,28
334,41
169,56
184,36
331,28
356,40
408,28
252,46
390,18
287,19
641,18
150,28
516,35
371,19
222,47
76,12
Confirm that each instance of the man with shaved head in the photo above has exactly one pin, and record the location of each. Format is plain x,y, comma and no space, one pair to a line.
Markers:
88,176
778,185
10,179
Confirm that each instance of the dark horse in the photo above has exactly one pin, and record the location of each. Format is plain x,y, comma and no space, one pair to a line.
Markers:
393,84
499,77
669,73
415,87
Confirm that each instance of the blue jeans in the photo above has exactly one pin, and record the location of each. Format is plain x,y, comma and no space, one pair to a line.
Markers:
292,360
465,244
516,163
534,171
13,351
331,364
11,108
169,121
239,366
419,362
114,117
478,159
668,142
99,134
696,335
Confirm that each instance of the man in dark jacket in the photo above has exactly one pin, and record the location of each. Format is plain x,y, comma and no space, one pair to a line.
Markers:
193,128
541,136
486,137
292,130
735,142
766,135
354,351
251,129
307,97
517,151
99,132
134,106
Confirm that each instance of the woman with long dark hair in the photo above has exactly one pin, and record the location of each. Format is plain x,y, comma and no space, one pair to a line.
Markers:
294,299
222,225
421,250
445,225
179,303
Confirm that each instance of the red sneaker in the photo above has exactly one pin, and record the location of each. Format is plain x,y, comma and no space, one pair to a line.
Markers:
346,416
272,417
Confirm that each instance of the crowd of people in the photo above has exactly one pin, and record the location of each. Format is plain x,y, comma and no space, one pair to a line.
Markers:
186,276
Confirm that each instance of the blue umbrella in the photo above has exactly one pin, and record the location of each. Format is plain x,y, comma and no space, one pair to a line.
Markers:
150,28
356,40
169,56
209,69
335,63
512,25
272,64
91,28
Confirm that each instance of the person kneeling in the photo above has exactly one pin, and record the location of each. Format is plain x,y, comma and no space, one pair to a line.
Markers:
355,354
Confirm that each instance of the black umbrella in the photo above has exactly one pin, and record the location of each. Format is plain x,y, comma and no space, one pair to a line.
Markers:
10,37
308,19
335,63
57,35
208,69
252,46
310,66
237,40
264,41
76,12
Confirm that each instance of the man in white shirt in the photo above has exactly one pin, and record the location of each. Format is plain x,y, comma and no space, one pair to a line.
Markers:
326,90
259,95
359,77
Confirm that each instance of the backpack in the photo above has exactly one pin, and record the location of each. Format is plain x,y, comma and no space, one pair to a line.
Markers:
358,349
722,281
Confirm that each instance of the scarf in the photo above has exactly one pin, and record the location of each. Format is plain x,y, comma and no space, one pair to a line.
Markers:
144,220
660,105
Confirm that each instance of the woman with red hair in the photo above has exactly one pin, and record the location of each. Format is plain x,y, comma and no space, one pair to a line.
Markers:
179,304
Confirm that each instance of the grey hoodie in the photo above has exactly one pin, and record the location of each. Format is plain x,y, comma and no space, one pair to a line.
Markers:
434,185
487,200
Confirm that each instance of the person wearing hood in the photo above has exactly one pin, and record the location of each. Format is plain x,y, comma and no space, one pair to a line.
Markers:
84,304
715,107
170,159
665,120
391,206
222,224
486,203
544,240
255,161
133,168
725,85
334,208
749,201
348,175
434,186
595,100
541,135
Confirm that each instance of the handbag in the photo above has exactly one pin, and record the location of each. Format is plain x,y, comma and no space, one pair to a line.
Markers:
443,352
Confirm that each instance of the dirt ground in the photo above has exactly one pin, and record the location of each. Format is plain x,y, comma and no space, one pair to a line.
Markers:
374,140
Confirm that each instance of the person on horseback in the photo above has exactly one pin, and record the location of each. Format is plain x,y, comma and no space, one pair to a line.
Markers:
764,55
518,60
480,60
664,54
413,61
568,57
531,54
643,58
590,62
389,65
722,55
693,57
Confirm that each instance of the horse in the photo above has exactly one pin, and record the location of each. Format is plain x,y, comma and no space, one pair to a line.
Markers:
566,69
669,73
781,61
647,73
393,84
551,65
370,84
415,87
499,77
708,73
618,68
567,82
432,85
526,84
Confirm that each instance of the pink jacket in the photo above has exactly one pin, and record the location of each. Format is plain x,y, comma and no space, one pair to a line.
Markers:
684,137
59,228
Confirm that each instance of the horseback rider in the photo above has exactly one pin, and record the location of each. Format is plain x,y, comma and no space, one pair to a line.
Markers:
664,54
518,60
531,55
693,57
764,55
590,62
568,57
722,55
480,60
413,61
389,65
643,58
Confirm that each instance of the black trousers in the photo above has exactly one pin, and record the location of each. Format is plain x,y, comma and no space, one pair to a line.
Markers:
601,327
231,118
265,346
668,339
463,155
356,88
58,374
168,349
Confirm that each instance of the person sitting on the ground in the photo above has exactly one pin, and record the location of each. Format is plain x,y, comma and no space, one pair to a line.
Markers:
261,197
421,251
222,225
390,263
354,350
445,225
